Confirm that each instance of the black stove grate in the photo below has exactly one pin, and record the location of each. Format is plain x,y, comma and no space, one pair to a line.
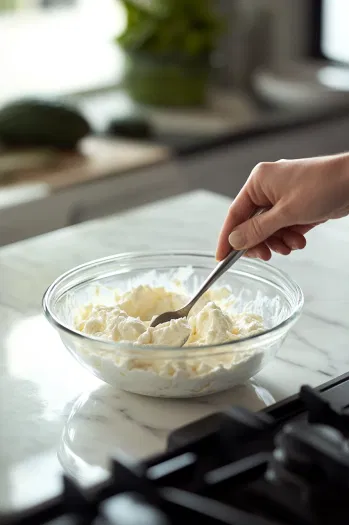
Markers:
286,465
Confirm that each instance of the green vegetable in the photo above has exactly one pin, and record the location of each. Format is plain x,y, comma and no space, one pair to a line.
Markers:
40,123
170,27
132,126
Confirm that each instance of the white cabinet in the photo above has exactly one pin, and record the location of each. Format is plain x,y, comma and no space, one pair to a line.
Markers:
120,193
88,201
34,217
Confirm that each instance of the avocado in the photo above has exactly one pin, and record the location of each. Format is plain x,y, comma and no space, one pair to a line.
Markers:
40,123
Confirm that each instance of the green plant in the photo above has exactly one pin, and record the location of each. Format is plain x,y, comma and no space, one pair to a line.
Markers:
168,28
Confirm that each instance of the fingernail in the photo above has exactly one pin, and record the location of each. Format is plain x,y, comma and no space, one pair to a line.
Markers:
236,240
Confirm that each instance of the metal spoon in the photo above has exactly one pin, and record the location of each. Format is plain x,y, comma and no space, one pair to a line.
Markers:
220,269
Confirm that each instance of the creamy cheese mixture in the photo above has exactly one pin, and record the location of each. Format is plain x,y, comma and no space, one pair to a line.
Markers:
129,319
212,321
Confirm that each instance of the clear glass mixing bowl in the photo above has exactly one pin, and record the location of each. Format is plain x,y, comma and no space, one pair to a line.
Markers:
174,372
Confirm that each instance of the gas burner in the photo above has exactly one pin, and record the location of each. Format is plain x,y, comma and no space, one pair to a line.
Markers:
286,465
321,411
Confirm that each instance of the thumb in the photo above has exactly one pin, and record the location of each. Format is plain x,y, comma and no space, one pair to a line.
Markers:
257,229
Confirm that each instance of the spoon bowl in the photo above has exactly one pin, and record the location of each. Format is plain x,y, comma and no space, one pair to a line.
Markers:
167,316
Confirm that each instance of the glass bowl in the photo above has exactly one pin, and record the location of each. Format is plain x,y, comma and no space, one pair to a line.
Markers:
258,288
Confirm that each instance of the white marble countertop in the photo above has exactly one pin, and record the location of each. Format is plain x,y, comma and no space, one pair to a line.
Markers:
55,416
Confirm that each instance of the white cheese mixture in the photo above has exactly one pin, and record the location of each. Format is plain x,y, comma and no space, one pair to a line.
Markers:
210,322
129,320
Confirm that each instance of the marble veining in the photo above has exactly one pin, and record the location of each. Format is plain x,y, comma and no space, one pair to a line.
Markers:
57,417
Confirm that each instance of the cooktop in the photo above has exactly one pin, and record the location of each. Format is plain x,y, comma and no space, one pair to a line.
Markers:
285,465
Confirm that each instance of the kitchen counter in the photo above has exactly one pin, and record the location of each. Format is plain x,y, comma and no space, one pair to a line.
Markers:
56,417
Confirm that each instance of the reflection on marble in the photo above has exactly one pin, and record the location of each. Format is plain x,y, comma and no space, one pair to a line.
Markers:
38,378
104,420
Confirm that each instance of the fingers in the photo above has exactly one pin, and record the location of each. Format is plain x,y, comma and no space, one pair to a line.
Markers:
262,251
256,230
305,228
278,245
239,211
269,231
283,242
292,239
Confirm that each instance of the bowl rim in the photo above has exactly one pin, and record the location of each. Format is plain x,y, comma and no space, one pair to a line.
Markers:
263,336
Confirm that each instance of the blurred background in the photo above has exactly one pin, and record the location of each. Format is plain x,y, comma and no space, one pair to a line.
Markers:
106,105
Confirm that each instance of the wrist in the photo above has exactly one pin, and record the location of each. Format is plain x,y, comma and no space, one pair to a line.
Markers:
339,168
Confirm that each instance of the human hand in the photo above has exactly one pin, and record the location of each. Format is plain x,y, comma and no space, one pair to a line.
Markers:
298,194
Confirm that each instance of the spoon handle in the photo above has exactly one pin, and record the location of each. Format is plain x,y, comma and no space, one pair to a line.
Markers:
220,269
